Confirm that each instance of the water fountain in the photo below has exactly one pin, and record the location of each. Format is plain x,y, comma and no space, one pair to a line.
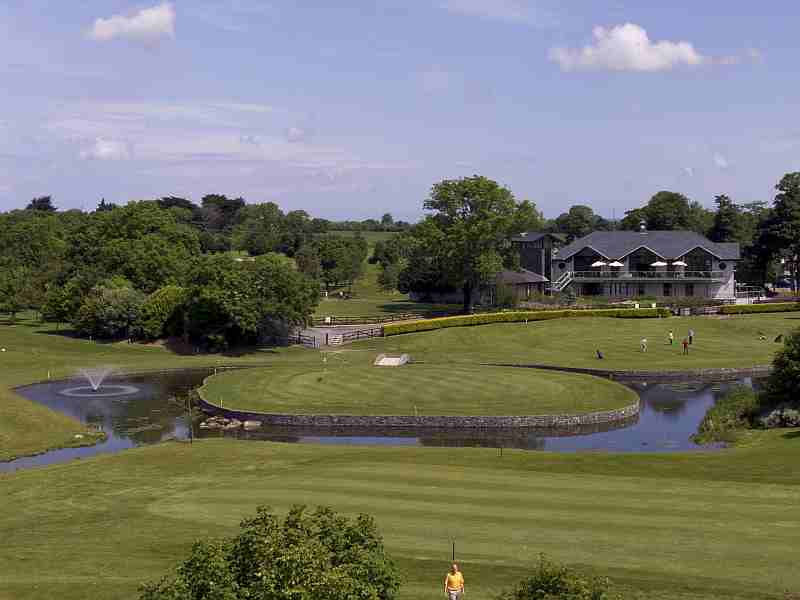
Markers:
96,388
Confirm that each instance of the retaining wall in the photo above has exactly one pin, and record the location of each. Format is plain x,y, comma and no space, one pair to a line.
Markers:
432,421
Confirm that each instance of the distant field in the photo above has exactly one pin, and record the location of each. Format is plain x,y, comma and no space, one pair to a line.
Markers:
719,342
348,384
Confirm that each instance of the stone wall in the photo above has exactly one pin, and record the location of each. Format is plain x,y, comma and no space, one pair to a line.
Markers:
447,422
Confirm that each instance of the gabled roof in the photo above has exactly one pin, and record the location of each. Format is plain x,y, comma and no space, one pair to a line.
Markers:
520,277
669,245
532,236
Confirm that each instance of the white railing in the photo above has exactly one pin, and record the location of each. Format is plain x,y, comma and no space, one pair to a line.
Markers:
669,275
562,282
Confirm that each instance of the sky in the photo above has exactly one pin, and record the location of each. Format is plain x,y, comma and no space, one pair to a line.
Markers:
352,109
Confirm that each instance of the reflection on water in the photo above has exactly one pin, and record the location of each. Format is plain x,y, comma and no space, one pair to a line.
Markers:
669,416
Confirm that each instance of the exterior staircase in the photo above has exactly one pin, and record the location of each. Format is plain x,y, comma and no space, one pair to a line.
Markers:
559,284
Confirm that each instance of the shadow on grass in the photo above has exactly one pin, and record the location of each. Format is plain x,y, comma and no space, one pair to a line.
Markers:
792,435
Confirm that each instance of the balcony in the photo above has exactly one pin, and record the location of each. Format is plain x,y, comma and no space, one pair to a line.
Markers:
690,276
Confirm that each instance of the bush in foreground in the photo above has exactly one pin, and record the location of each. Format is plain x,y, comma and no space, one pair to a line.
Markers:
552,581
302,556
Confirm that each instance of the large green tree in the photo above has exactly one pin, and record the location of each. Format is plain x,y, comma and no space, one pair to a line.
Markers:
780,233
43,203
242,302
579,221
261,229
669,211
466,238
302,556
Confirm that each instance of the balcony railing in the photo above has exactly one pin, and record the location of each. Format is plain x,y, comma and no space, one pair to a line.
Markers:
653,275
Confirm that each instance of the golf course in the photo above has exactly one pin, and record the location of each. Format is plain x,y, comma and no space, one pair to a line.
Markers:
699,525
348,384
720,342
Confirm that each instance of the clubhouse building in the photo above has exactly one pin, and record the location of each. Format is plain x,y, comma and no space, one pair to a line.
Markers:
628,264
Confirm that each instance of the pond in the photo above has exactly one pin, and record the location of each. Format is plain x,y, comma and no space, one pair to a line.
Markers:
151,408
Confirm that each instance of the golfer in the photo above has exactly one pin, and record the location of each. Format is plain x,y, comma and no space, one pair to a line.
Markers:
691,336
643,344
671,337
686,345
454,583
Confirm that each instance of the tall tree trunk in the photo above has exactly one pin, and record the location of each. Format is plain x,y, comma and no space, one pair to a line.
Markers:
467,289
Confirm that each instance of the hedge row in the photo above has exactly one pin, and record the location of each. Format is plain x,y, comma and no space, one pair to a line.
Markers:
744,309
520,316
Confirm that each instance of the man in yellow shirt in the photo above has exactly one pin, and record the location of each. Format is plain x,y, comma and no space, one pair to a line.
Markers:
454,583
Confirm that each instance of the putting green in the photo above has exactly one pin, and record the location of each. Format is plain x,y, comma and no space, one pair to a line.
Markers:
349,385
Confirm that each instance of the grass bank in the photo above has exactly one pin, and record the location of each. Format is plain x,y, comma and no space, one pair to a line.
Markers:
34,351
664,527
731,341
349,385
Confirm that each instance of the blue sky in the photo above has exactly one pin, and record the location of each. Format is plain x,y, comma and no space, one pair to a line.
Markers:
351,109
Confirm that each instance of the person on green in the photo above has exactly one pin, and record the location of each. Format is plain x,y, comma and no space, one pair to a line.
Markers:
454,583
671,338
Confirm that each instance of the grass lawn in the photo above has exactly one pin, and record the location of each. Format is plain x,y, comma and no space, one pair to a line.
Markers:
719,342
664,527
33,350
349,384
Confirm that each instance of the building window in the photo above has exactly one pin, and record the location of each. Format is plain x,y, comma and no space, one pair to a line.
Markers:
562,265
640,291
667,289
690,289
722,266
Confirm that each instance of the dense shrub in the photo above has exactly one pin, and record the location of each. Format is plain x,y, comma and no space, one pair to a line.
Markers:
745,309
519,317
551,581
109,312
304,555
160,312
784,381
735,410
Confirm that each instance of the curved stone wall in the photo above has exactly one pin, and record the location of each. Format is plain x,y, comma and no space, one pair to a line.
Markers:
419,422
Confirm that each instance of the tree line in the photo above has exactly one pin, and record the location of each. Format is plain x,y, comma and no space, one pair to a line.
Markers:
237,273
219,274
464,240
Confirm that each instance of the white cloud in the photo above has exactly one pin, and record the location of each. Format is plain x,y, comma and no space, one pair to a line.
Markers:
512,11
149,24
689,171
107,149
627,48
720,161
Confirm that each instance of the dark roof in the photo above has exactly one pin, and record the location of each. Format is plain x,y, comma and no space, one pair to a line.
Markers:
532,236
520,277
667,244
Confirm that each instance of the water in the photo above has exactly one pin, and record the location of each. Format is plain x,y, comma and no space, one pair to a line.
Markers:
156,411
96,376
